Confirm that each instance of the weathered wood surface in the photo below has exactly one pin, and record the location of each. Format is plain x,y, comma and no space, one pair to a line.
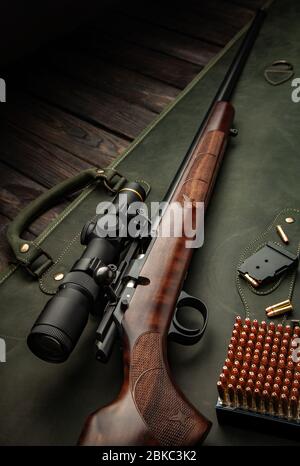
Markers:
177,16
141,90
80,101
165,68
87,103
16,191
82,139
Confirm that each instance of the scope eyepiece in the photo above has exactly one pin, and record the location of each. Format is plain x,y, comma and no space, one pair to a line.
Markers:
49,343
59,326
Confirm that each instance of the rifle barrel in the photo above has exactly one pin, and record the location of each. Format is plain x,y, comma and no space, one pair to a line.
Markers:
230,80
224,92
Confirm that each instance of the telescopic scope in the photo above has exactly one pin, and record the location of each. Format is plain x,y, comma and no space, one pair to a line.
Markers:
63,319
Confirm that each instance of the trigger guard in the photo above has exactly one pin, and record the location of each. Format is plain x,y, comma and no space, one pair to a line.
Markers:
181,334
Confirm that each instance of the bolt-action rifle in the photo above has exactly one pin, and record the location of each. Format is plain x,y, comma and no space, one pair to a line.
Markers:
142,292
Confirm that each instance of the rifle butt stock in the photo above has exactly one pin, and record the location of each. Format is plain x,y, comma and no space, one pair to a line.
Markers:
150,409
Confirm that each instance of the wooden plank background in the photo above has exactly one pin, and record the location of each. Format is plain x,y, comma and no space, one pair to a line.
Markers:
80,101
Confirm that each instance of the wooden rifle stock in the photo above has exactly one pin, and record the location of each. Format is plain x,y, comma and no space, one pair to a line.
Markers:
150,409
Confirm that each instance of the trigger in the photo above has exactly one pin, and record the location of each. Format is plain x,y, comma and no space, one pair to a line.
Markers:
184,335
